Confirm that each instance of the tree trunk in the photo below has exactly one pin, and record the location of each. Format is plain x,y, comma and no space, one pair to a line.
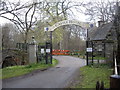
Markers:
26,35
24,51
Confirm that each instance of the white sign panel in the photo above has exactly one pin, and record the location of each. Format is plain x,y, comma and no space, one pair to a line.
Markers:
99,49
42,50
89,50
48,50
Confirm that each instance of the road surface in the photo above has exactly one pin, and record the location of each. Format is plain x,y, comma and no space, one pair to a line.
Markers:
56,77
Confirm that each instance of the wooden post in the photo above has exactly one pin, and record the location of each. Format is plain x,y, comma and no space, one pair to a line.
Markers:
0,57
92,52
97,85
46,54
51,47
86,50
115,79
115,82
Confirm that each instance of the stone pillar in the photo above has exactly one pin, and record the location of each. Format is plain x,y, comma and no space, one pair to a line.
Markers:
32,51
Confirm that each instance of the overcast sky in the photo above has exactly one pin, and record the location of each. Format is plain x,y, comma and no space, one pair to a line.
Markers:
79,16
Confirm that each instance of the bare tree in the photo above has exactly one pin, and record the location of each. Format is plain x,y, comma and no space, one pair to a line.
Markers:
72,38
5,36
100,10
10,36
55,12
22,15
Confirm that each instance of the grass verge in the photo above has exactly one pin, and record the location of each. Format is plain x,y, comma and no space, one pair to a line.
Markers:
80,56
97,58
91,74
21,70
90,58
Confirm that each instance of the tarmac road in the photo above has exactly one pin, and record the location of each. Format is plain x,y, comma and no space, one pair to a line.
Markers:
57,77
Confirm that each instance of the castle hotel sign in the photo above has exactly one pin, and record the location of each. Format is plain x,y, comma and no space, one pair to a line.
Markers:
68,22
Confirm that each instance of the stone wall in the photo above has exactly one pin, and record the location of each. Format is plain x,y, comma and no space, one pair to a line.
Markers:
109,52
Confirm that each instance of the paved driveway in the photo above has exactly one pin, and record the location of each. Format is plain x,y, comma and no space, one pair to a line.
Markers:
56,77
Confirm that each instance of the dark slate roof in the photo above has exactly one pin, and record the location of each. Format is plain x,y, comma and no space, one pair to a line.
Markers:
91,32
101,32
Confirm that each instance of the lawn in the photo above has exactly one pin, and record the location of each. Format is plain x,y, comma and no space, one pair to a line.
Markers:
21,70
97,58
91,74
80,56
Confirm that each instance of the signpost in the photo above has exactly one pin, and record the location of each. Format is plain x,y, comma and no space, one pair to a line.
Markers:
46,29
48,50
42,50
89,49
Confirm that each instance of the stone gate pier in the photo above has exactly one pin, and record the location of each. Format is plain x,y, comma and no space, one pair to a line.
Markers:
32,51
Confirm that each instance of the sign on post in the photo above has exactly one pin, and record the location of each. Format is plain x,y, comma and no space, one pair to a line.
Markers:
48,50
46,29
89,50
42,50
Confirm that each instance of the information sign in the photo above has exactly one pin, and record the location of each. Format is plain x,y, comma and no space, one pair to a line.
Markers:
89,50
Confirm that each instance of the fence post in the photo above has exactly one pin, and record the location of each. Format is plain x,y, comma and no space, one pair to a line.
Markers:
1,57
97,85
32,51
115,79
